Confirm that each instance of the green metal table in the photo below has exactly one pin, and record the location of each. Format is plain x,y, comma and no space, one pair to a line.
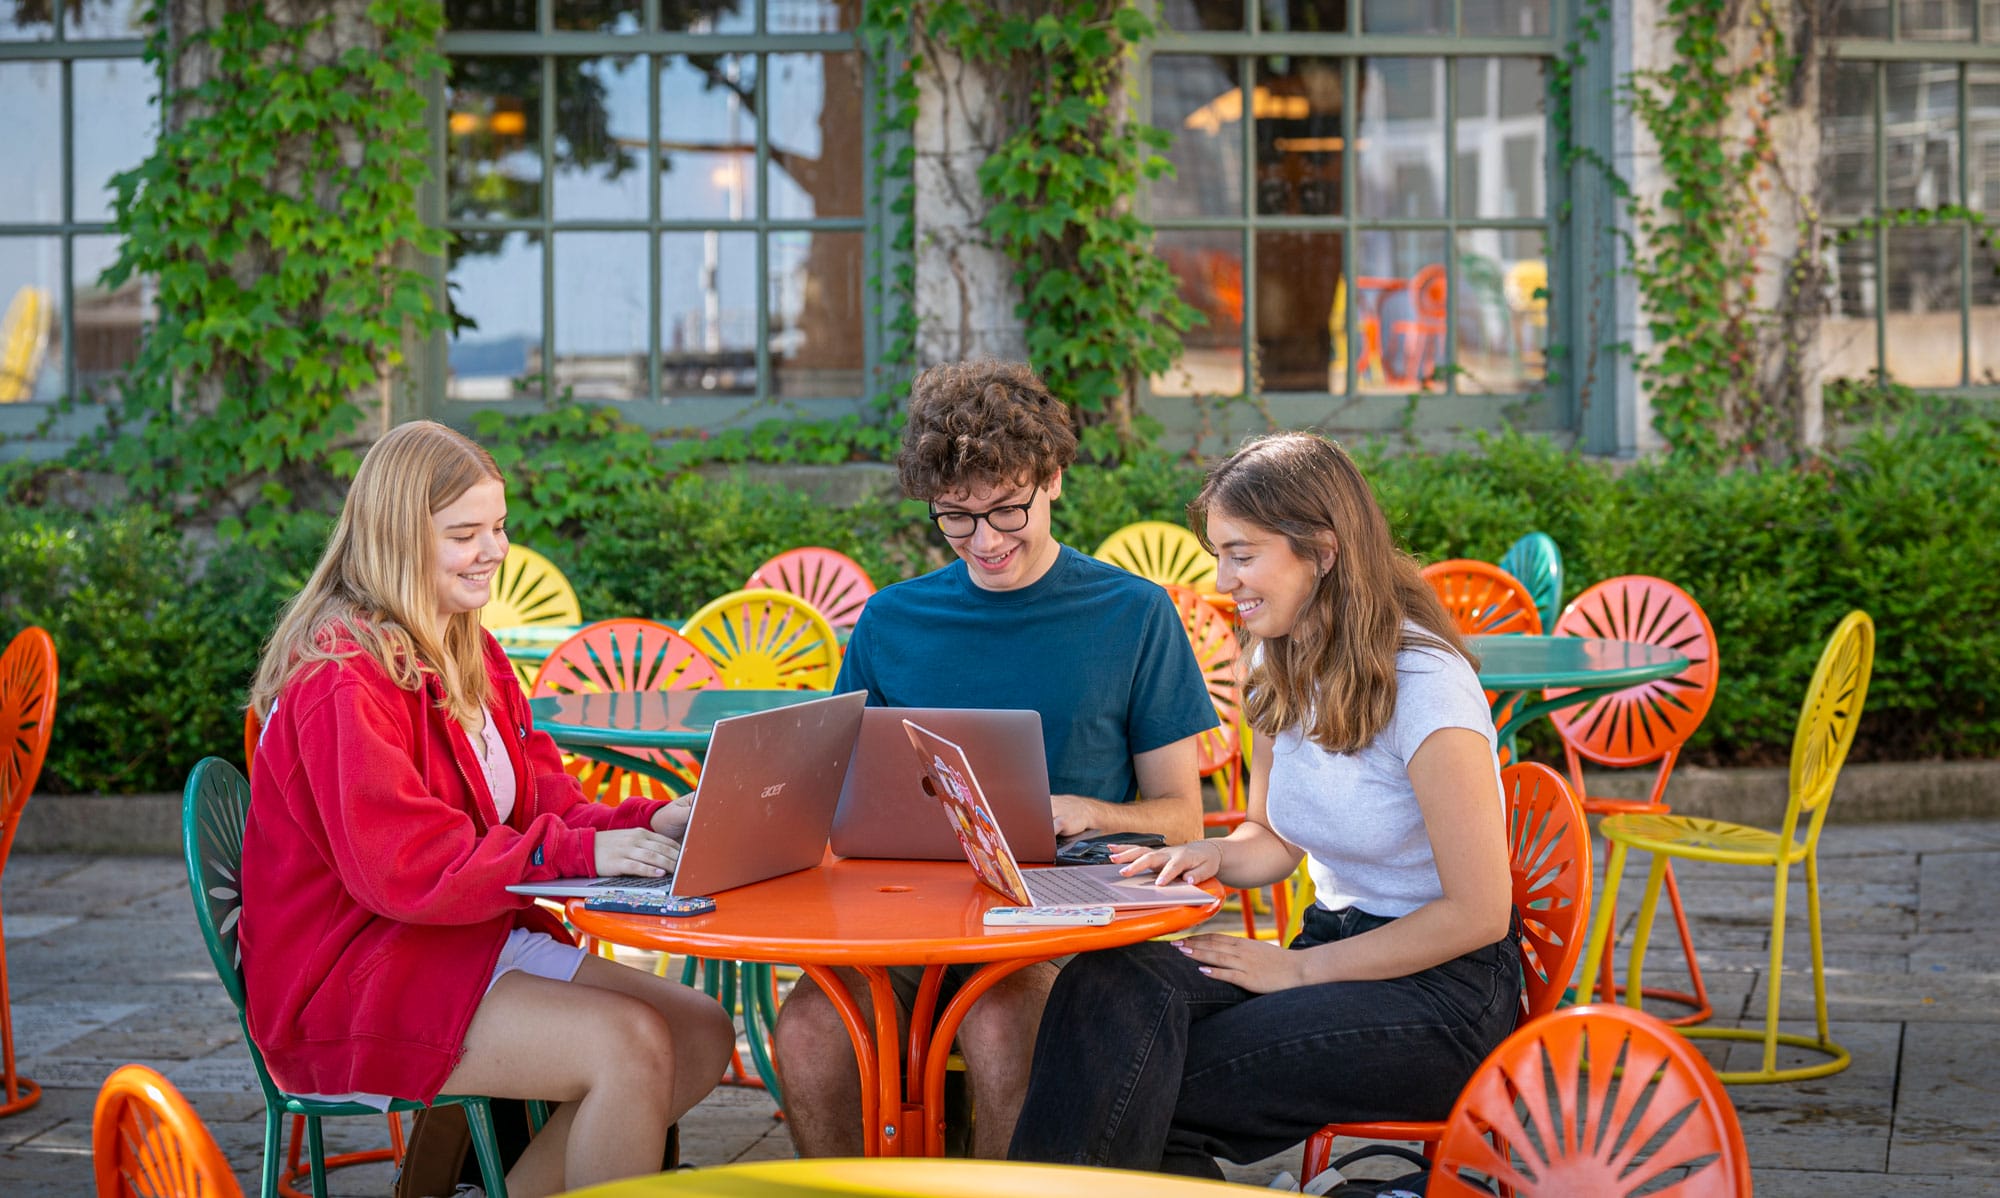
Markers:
1511,666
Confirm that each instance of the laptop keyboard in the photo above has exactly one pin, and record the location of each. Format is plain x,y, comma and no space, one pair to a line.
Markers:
663,882
1062,887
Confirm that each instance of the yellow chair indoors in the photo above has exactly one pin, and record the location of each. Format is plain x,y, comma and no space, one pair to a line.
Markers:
1166,553
1825,733
530,590
24,341
762,639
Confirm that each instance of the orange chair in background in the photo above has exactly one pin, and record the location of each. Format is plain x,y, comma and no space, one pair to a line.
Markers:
1482,599
1598,1100
1422,336
1642,725
615,656
146,1141
27,713
1548,849
830,580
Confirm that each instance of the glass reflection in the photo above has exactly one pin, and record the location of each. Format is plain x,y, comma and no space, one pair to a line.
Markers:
815,130
27,22
1989,21
1401,296
109,323
606,16
496,305
708,313
815,303
1921,315
31,186
1861,18
104,19
1936,20
1401,151
1305,16
1209,265
1504,18
1920,134
31,297
1226,15
600,166
1502,310
1296,104
708,137
493,163
115,128
708,16
1847,331
1406,16
603,292
1847,133
1502,137
504,16
1985,317
1301,313
1196,101
811,16
1983,124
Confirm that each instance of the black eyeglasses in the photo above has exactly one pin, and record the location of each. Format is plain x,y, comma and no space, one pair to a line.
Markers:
1011,517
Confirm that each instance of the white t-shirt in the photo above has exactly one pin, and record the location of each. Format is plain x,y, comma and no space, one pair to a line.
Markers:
497,766
1355,814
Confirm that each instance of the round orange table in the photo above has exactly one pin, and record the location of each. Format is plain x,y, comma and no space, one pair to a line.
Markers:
869,915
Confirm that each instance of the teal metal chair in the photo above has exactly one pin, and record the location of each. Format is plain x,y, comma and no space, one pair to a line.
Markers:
1535,560
213,807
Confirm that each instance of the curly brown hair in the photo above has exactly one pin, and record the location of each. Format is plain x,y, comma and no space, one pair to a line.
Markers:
982,424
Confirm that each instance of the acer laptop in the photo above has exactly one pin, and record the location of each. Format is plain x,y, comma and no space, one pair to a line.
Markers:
766,799
949,779
885,812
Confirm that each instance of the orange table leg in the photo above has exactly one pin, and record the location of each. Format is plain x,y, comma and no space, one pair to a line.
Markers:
884,1115
930,1067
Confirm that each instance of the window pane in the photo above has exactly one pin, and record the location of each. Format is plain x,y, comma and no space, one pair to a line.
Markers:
1400,308
600,166
1296,103
1985,316
31,295
1209,264
1503,310
1989,21
1203,14
709,16
1861,18
1197,102
493,160
1301,338
507,16
105,19
20,23
708,137
115,128
1505,18
815,130
811,16
1401,151
602,289
1920,134
495,285
1937,20
109,324
1847,331
1983,169
816,329
1502,134
1406,16
1922,316
608,16
1305,16
708,313
31,187
1847,146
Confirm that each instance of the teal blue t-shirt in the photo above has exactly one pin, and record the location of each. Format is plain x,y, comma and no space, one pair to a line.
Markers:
1099,652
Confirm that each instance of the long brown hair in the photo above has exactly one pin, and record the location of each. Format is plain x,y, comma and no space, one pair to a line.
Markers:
373,586
1334,673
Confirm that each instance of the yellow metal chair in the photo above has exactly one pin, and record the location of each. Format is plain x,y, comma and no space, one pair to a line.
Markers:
529,590
24,340
1166,553
1826,727
767,640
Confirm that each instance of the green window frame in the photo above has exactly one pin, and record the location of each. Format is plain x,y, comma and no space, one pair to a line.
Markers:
1452,401
660,395
1944,60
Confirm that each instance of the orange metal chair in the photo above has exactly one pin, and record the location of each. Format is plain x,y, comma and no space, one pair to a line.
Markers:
1482,599
1422,337
1548,847
27,712
1642,725
614,656
826,578
1598,1100
146,1141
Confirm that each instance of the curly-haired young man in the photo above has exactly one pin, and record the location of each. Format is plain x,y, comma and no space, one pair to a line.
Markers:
1018,621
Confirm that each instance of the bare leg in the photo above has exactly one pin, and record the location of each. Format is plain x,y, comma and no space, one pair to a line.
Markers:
997,1040
815,1059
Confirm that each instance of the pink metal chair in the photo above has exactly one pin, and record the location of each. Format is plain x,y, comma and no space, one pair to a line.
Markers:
826,578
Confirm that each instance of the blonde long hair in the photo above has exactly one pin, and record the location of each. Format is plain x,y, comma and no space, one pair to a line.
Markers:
374,585
1334,673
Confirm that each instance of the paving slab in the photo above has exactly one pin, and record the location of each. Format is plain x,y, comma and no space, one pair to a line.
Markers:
1841,1122
1948,1101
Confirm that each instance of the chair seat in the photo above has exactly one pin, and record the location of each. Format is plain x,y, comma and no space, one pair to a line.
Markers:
1702,839
1593,805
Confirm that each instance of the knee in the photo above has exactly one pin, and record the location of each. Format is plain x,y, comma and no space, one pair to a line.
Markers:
1002,1023
710,1027
809,1038
632,1039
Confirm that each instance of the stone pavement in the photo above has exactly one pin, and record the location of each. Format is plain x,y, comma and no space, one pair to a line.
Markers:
106,966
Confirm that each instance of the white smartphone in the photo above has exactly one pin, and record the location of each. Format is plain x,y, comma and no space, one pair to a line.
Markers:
1015,916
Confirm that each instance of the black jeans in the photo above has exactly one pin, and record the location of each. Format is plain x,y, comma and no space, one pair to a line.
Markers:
1143,1062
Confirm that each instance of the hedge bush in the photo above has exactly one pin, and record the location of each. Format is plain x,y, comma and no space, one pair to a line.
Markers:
157,645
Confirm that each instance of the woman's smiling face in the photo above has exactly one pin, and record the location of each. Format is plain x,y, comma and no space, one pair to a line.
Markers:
1259,569
471,542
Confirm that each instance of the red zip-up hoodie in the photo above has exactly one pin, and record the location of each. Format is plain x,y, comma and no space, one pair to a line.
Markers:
375,868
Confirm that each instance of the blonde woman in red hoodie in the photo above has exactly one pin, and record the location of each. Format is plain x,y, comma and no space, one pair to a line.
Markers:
399,787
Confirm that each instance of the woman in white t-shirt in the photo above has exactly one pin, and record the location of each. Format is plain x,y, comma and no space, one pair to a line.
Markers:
1380,770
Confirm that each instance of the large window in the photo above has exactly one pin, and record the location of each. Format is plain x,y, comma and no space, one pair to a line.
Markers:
1361,206
76,101
656,202
1912,121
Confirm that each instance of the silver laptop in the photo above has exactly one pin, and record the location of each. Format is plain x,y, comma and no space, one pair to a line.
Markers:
884,811
768,790
949,778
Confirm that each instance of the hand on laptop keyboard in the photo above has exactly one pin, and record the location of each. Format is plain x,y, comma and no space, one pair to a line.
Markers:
640,852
